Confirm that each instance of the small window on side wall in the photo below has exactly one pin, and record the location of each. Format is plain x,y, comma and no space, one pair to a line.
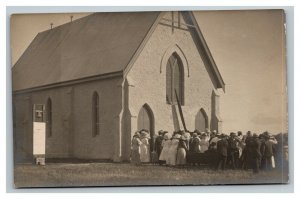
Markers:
49,117
95,115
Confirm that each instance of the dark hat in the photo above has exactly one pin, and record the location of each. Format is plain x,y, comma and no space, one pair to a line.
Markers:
232,134
266,133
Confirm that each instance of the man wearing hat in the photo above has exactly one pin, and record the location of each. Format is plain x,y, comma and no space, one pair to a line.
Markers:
158,142
268,152
233,152
255,153
213,142
222,146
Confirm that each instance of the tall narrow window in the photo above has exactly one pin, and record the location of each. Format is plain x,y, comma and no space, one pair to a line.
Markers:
49,117
174,80
96,115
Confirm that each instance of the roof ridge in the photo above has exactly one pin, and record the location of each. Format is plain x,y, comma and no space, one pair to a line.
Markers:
68,23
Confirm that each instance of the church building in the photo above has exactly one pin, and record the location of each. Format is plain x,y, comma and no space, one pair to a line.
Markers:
104,76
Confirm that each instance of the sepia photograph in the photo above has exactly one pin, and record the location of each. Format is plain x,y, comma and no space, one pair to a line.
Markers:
150,98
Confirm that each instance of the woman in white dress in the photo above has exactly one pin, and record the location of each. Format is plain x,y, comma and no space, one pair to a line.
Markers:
145,147
173,150
166,143
181,152
204,144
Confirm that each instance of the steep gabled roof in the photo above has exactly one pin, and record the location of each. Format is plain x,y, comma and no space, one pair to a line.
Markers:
99,44
212,63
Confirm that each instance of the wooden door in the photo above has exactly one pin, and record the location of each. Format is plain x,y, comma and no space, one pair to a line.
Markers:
146,121
201,121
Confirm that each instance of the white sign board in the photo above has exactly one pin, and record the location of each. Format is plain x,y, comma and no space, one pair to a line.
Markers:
39,138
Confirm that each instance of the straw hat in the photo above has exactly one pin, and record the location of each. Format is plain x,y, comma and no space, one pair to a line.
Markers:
144,134
167,136
187,135
183,137
177,136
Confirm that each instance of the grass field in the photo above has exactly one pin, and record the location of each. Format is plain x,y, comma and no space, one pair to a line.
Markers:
113,174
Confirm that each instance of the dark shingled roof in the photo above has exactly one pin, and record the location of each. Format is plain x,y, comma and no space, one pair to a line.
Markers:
97,44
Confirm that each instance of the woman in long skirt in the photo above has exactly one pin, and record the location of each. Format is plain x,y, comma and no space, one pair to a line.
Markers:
166,143
171,160
203,143
135,149
181,153
145,147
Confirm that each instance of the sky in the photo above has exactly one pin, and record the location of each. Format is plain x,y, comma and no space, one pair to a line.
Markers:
248,48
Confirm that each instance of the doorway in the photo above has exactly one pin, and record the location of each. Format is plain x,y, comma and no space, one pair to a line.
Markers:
146,121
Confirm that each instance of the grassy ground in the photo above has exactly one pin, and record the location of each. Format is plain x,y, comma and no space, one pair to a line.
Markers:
110,174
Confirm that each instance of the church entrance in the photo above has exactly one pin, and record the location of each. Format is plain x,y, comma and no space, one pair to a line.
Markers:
201,120
146,121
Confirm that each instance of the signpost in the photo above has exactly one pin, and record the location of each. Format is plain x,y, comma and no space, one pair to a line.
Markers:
39,133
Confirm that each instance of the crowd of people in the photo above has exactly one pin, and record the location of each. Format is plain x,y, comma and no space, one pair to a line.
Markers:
213,149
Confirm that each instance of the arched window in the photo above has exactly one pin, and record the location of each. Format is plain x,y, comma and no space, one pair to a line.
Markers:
49,117
174,80
96,115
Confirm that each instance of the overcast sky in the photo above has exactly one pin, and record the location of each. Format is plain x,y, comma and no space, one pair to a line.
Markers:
248,48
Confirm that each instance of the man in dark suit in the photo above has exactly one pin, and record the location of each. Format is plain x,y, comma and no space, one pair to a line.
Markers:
255,153
158,143
222,146
233,152
268,152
